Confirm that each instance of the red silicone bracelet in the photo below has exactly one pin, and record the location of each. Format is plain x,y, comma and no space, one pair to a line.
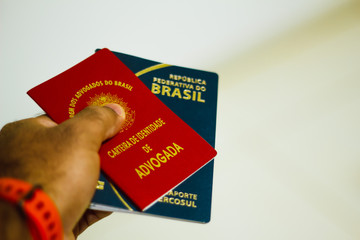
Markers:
42,216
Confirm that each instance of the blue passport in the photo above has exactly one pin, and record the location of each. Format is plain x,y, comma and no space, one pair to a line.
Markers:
192,95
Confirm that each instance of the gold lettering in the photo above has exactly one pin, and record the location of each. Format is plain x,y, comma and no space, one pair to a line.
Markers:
199,98
187,94
167,155
166,90
148,165
178,148
144,169
172,150
158,164
176,92
155,88
160,158
140,173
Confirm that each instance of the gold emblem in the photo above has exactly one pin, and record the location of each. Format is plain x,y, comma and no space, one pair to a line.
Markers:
103,99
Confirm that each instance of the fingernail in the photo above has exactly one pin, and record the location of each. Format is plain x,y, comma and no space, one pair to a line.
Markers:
117,108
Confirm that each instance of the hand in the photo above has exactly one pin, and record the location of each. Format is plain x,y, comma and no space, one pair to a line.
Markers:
62,158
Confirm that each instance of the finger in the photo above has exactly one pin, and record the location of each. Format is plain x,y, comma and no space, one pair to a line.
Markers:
90,217
96,123
45,121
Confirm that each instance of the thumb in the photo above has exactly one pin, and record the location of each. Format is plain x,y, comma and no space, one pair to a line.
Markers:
95,124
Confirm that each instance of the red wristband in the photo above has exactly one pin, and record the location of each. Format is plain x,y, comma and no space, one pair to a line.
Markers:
42,216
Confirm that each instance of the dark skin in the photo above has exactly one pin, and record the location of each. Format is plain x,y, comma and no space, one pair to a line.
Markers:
63,159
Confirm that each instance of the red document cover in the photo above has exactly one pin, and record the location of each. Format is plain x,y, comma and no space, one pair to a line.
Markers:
155,150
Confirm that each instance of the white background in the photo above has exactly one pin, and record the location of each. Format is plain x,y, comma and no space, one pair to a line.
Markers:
288,131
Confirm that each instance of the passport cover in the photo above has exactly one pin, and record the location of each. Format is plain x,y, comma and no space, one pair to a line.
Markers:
154,151
192,199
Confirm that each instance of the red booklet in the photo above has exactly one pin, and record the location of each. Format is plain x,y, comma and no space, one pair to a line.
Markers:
154,151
